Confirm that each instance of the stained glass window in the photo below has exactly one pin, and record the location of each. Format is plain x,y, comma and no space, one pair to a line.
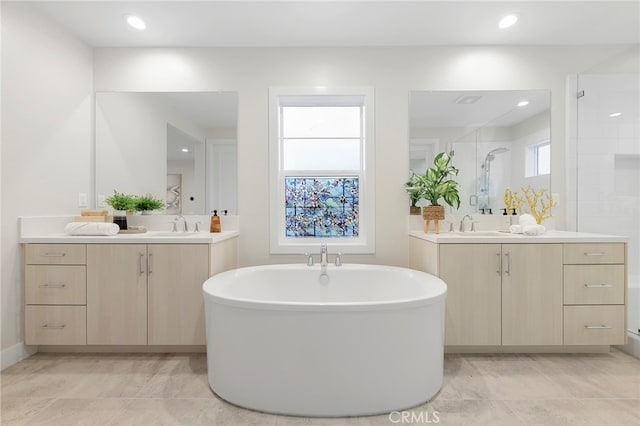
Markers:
321,145
322,206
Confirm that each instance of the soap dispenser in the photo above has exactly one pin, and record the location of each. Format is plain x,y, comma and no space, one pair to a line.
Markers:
215,222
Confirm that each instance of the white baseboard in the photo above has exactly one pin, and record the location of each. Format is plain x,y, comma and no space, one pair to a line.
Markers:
633,345
15,354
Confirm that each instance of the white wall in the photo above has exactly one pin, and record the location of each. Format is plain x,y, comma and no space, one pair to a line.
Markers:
393,72
47,115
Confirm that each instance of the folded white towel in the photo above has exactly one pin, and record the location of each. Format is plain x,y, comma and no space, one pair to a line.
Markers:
534,230
527,219
91,228
515,229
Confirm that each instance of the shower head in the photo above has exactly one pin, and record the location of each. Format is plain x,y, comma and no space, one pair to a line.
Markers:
490,156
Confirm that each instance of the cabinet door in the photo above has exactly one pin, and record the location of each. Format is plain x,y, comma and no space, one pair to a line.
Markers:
472,275
532,294
116,294
176,304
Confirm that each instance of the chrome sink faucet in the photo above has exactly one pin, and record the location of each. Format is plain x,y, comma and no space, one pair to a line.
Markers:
185,228
462,227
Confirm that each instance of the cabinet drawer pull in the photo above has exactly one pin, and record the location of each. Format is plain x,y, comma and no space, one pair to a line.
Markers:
598,285
596,253
54,254
150,262
597,327
53,327
140,260
499,271
508,271
52,285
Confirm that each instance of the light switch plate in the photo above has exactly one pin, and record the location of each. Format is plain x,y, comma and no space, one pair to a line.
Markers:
101,199
82,200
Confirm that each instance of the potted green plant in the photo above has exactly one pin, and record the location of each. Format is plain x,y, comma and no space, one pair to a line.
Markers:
121,204
415,193
435,185
147,203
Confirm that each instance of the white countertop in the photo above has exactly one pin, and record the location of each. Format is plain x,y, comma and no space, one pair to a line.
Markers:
506,237
151,237
50,230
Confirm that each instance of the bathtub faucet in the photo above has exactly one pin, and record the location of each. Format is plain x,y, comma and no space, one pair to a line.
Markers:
324,258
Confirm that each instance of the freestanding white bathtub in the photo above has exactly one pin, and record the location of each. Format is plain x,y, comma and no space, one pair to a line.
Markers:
360,340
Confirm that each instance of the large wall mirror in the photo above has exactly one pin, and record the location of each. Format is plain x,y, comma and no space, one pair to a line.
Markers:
178,146
497,139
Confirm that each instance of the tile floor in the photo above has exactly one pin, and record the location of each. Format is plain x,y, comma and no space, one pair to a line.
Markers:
172,389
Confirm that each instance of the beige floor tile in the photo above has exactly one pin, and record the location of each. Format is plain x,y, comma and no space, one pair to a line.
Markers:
172,389
556,412
16,411
176,386
104,385
43,385
159,411
222,413
615,412
85,412
306,421
494,413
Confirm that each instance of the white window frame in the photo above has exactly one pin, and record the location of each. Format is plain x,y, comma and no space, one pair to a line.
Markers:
364,243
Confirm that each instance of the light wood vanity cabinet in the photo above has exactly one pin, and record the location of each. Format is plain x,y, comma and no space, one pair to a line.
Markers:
594,294
502,294
529,294
55,294
120,294
176,312
117,294
473,276
146,294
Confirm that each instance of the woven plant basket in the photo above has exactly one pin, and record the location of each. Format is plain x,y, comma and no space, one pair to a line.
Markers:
433,213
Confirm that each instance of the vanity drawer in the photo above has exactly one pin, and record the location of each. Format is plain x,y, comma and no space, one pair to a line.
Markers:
55,325
594,325
593,253
56,254
55,285
594,284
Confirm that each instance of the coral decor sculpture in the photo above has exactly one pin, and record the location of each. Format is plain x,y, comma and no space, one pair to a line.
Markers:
512,200
542,197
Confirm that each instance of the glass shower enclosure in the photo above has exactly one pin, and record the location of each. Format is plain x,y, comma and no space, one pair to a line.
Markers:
606,152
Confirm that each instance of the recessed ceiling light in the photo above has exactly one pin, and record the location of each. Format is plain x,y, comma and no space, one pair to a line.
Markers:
523,103
185,150
615,114
507,21
135,22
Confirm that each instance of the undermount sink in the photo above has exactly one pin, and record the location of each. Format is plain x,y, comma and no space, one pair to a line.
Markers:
173,234
482,234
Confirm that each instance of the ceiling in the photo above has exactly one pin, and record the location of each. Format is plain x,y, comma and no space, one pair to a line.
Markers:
499,108
310,23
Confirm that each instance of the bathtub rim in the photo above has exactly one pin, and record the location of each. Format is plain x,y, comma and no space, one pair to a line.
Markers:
253,304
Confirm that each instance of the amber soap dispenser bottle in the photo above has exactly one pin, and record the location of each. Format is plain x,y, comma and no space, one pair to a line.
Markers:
215,222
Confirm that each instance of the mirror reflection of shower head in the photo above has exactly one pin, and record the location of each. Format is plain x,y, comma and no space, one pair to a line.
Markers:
490,156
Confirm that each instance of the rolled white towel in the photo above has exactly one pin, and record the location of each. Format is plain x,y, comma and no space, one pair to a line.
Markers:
91,228
534,230
526,219
515,229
